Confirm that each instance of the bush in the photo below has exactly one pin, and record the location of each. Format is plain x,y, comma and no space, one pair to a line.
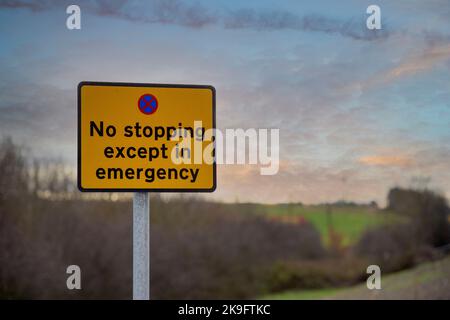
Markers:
198,249
398,246
390,247
317,274
427,213
228,256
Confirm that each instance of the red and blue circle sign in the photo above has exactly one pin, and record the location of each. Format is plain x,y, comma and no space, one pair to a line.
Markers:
148,104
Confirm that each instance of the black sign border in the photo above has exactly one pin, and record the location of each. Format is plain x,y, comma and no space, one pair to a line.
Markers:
150,85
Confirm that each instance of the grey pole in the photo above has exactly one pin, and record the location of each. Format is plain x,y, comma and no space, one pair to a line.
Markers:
141,246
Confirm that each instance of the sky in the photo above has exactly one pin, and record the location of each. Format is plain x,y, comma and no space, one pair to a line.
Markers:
359,111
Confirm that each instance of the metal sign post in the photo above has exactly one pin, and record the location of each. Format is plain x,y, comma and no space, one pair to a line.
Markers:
141,246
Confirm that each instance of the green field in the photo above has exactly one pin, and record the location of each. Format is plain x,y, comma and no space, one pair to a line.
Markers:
348,222
427,281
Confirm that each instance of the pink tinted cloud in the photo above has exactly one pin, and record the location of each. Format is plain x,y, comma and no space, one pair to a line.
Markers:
386,160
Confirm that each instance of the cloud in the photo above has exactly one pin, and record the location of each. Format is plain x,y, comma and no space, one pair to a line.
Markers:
419,63
23,4
42,117
390,161
197,16
335,143
426,60
284,20
159,11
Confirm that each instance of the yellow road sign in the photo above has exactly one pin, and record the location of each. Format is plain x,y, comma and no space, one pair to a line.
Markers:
146,137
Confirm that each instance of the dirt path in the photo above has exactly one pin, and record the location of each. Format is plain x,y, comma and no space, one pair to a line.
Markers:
427,281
